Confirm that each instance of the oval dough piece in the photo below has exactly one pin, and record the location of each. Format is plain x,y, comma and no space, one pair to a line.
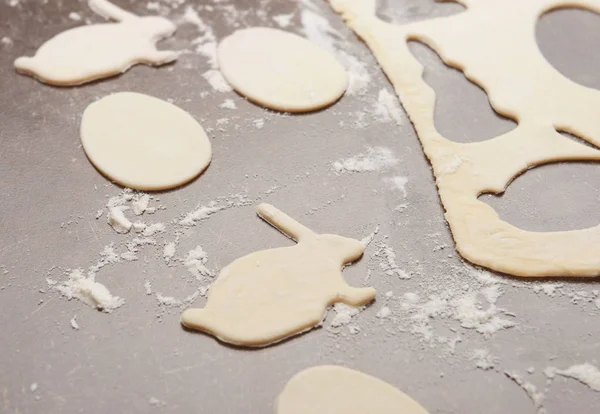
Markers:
143,142
280,70
336,390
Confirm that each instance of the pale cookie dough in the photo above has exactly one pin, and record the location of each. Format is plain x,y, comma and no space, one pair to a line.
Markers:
270,295
87,53
331,389
281,70
494,44
143,142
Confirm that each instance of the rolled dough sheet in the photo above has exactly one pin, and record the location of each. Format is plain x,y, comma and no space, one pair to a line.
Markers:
267,296
495,47
88,53
332,389
281,70
144,143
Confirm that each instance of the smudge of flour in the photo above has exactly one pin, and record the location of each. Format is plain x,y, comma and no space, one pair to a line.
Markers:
374,159
537,397
317,29
387,108
586,373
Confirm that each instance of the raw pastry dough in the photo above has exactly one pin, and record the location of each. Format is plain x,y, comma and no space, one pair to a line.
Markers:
267,296
280,70
143,142
494,44
87,53
335,390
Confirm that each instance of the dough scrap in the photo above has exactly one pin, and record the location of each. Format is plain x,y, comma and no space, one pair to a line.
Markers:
144,143
496,48
88,53
332,389
281,70
270,295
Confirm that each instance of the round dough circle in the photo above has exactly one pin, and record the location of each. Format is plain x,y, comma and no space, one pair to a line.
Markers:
280,70
144,143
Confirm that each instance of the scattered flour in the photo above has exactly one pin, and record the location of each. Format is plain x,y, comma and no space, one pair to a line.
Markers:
585,373
74,323
536,396
318,30
283,20
169,252
148,287
75,16
343,315
139,227
153,5
117,220
155,402
33,387
383,313
388,261
202,213
228,104
88,291
6,41
195,263
217,81
473,306
484,359
398,183
140,205
259,123
374,159
387,108
369,238
169,301
153,229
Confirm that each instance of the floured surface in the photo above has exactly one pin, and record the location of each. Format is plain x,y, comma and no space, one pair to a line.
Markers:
88,53
138,358
521,85
338,390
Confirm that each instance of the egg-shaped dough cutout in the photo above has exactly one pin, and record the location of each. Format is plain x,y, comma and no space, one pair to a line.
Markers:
143,142
281,70
333,389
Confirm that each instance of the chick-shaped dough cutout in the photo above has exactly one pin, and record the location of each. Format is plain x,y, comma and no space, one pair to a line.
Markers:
88,53
332,389
270,295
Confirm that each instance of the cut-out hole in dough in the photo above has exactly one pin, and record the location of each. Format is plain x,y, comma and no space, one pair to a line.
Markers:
415,10
554,197
568,39
462,109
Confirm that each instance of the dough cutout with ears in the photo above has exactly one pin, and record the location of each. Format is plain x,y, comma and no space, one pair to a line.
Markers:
270,295
88,53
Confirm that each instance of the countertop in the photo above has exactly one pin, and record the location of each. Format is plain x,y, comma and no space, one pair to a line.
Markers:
138,359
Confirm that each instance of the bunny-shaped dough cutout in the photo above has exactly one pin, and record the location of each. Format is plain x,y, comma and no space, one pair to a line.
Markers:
88,53
270,295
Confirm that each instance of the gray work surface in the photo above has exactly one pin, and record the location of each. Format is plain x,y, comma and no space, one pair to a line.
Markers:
138,359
